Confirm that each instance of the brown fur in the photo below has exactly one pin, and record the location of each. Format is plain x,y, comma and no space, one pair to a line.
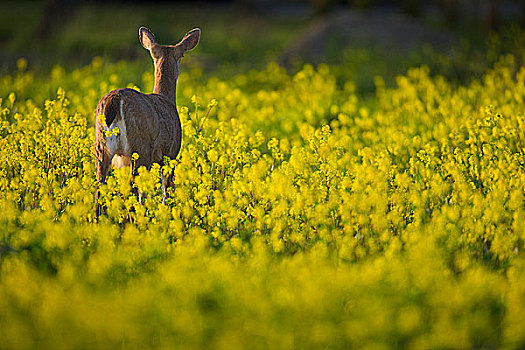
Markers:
152,124
153,128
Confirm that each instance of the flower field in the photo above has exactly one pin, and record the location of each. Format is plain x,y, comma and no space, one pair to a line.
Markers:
302,214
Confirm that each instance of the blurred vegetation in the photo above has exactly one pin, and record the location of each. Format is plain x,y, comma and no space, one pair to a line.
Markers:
238,37
301,215
234,39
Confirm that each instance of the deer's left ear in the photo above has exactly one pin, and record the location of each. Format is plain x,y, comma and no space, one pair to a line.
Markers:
147,39
190,40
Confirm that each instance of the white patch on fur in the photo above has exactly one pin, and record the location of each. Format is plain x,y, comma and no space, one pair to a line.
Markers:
121,161
118,144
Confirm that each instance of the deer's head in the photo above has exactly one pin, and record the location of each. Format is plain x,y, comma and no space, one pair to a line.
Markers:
168,56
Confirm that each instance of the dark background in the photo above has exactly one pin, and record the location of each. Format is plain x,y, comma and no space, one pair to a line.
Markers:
457,38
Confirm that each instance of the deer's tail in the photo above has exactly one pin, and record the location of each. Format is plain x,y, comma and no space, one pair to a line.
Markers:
109,106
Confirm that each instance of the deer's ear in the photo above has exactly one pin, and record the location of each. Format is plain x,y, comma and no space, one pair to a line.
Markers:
190,40
147,39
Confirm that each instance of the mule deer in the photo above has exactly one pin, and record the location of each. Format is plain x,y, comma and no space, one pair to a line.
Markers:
148,124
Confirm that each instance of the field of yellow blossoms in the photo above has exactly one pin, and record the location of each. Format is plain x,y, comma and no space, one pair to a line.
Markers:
302,215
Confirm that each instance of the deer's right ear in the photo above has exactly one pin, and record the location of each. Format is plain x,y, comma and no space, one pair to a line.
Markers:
190,40
147,39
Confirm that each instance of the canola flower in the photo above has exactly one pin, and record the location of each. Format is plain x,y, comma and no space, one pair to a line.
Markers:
300,215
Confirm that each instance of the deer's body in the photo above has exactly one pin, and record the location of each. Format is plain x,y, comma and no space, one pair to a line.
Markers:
152,138
148,124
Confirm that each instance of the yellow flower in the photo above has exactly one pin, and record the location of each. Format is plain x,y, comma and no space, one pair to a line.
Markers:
212,155
212,103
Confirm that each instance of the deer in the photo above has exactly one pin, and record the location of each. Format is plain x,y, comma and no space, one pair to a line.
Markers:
128,121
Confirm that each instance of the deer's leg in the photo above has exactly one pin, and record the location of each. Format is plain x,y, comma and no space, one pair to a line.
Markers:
102,156
163,188
97,206
134,189
168,181
102,164
143,160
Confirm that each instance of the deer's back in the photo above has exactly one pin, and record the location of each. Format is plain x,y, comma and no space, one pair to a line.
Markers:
150,124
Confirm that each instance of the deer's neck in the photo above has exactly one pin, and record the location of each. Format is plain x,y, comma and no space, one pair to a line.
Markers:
166,73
